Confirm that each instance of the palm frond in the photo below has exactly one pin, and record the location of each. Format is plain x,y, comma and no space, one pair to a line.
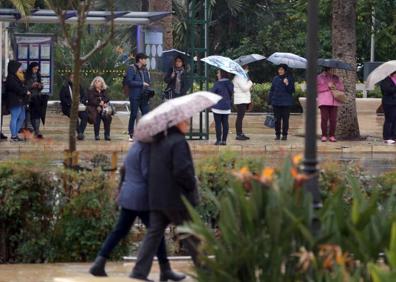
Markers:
23,6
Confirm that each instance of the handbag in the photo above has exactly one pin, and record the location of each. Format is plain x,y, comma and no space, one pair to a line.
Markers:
82,107
109,110
167,94
269,121
250,106
339,95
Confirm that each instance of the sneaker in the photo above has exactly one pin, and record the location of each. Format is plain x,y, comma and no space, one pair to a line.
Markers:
3,137
323,139
223,143
97,137
390,141
16,139
333,139
80,136
277,137
217,143
130,138
107,137
284,137
40,136
242,137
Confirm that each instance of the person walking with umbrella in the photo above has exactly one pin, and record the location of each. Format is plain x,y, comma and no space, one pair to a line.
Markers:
281,99
328,105
38,102
388,89
222,109
171,172
134,202
176,79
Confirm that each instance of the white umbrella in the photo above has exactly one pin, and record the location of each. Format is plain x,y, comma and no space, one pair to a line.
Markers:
291,60
380,73
172,112
225,64
247,59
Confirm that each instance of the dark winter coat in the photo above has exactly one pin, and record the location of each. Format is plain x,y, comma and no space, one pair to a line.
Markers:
281,94
171,173
388,89
93,103
225,89
134,80
15,89
66,99
171,82
38,102
134,188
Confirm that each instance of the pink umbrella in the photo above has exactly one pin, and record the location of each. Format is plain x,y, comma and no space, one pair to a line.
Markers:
172,112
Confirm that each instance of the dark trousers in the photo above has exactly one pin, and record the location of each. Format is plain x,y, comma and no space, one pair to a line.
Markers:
389,130
281,114
106,122
241,110
328,120
82,122
159,220
222,127
121,230
135,104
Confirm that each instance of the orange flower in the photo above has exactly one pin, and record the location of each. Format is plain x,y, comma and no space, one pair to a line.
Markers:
243,174
305,259
297,159
299,178
267,175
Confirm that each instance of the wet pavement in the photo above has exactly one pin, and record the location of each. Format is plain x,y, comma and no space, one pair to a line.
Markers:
78,272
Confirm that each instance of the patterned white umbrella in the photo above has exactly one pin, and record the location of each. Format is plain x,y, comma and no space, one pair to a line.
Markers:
291,60
380,73
226,64
172,112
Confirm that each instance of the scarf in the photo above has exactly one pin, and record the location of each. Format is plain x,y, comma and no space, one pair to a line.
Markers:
20,75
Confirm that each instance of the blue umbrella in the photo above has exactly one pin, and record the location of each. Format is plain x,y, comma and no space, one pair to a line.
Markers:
226,64
168,58
291,60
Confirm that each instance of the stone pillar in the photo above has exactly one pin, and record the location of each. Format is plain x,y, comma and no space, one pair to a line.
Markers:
166,23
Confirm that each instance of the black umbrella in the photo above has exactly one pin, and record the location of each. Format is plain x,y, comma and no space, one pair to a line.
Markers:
168,58
334,64
44,103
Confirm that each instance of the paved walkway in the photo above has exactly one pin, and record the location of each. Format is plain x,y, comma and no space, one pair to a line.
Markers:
262,138
78,272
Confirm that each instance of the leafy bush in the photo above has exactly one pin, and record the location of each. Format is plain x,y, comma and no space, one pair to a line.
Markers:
269,231
56,215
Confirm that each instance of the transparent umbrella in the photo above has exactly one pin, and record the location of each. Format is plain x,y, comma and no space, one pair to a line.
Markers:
225,64
291,60
380,73
247,59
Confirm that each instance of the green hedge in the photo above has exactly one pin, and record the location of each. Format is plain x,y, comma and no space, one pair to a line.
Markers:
60,215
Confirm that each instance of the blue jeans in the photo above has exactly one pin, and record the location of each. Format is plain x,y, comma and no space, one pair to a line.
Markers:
121,230
135,103
17,119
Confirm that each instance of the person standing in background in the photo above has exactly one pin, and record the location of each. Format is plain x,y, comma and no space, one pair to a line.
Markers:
388,89
242,99
66,96
328,105
281,99
176,79
17,97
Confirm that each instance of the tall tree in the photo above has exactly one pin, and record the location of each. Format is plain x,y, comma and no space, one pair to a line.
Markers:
73,37
343,39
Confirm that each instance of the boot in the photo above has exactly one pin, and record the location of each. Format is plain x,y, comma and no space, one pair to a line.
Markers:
36,127
138,277
98,268
166,273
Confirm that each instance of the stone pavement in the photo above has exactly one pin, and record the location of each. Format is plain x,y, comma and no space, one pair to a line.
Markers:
78,272
261,142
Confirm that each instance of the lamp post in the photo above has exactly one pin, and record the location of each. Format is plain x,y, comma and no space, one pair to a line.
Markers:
310,153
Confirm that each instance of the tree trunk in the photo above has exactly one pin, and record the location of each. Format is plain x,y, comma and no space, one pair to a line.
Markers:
344,48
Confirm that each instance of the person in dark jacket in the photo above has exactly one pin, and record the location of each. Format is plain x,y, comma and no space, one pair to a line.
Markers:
65,96
98,107
133,200
138,81
176,79
17,95
281,99
388,89
38,102
222,109
171,176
